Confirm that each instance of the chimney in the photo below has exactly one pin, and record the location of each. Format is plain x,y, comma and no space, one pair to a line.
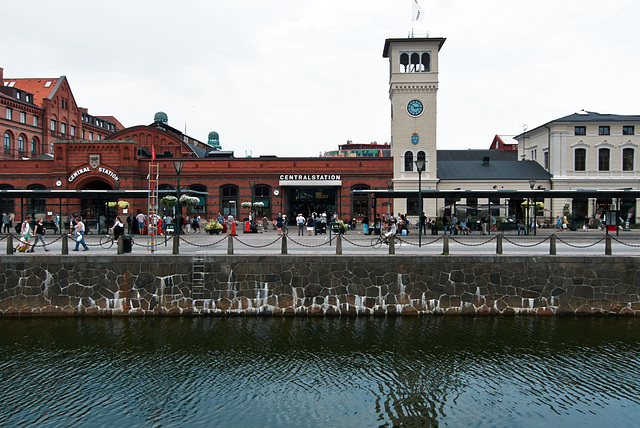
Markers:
485,161
1,76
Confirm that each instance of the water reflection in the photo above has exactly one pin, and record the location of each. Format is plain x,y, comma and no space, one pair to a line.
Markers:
423,371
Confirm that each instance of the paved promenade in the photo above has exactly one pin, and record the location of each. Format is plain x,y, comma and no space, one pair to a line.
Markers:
568,243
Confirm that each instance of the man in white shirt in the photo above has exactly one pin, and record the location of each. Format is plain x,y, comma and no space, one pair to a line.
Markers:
300,220
80,229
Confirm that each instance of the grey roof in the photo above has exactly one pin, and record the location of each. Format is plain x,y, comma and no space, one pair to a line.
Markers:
590,116
501,165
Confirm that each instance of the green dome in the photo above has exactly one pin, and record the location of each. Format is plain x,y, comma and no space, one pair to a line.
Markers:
214,140
161,117
213,135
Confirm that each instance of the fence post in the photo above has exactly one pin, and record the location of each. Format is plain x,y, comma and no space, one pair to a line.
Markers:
120,243
65,244
9,244
445,244
339,245
607,245
176,243
499,244
283,250
552,245
230,245
392,244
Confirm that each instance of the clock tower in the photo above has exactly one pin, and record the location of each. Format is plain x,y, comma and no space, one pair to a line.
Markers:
413,85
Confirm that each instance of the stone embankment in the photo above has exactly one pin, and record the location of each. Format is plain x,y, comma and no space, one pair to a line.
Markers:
320,285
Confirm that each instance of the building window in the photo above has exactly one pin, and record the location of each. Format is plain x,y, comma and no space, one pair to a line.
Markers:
72,131
23,117
7,143
360,202
91,135
262,193
422,157
35,120
580,130
415,62
20,144
546,160
229,200
534,154
9,113
628,130
627,159
63,128
52,125
604,130
408,161
34,146
604,155
580,159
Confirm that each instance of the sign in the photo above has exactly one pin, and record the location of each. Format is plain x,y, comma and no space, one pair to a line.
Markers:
310,180
94,161
86,169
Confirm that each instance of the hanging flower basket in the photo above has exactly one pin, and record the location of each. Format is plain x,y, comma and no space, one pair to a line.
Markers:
112,204
246,205
169,201
189,201
123,205
258,204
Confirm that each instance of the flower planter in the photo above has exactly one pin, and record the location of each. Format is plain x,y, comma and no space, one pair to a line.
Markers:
213,231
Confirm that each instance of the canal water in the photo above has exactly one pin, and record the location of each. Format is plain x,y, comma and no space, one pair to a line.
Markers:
320,372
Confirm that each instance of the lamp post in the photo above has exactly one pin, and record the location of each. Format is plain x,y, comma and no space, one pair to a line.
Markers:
177,165
420,166
251,219
389,187
532,184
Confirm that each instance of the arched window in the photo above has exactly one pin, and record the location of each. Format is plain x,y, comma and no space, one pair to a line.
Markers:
34,146
408,161
628,156
604,158
422,157
262,193
580,159
201,208
21,144
229,200
360,203
7,143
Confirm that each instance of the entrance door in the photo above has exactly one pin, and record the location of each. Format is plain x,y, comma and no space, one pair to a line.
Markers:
96,212
307,200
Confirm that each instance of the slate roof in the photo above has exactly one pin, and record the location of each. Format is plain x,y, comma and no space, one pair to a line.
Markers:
590,116
469,165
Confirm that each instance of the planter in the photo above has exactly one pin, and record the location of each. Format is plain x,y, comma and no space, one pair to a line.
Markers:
213,231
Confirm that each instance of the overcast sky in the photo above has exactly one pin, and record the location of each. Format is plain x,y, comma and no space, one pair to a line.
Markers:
296,78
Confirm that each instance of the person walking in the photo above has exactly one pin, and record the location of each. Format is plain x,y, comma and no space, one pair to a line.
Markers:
6,223
39,232
279,223
80,229
25,236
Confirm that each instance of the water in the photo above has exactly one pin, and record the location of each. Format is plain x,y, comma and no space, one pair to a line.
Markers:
320,372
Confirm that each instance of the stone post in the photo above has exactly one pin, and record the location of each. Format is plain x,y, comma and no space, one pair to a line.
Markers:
283,250
445,244
65,244
121,244
9,244
339,245
607,245
230,245
499,244
392,244
552,245
176,243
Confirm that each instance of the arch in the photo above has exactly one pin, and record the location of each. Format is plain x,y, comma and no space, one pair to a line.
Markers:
262,193
34,146
580,159
408,161
604,159
20,143
201,208
7,142
229,199
628,158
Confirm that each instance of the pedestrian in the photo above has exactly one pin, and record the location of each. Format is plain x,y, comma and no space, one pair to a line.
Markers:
300,221
494,224
6,223
196,224
483,224
80,230
310,221
25,236
141,218
279,222
117,228
265,224
39,232
445,223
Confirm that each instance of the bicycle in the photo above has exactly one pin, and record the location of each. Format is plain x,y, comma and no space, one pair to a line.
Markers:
107,241
382,239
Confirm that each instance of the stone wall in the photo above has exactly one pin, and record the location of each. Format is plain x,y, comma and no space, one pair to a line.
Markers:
321,285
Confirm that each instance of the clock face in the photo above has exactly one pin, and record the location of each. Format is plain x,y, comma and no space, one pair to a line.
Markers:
415,108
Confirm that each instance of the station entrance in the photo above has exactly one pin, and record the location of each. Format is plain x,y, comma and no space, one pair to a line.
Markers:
308,200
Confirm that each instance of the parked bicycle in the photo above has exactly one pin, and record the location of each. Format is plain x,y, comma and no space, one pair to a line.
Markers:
107,241
382,239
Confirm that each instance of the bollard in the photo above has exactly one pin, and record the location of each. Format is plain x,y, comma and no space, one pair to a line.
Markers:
392,244
120,243
230,245
499,244
284,245
552,245
65,245
607,245
9,244
445,245
339,246
176,244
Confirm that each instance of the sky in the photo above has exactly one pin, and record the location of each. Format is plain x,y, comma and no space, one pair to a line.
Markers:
298,78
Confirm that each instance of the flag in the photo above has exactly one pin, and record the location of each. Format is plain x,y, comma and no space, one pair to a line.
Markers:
153,153
418,13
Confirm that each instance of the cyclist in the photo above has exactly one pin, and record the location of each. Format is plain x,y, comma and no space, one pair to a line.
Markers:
392,230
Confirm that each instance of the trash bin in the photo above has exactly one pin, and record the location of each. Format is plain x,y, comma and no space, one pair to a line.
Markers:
127,243
434,230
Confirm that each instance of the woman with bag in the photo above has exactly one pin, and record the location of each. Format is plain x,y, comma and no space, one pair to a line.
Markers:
39,231
80,229
25,236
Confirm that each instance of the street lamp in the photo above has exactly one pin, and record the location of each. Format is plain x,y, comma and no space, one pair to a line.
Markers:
177,165
252,185
389,187
420,166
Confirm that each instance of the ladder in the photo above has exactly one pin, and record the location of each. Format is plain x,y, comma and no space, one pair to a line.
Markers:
152,215
197,280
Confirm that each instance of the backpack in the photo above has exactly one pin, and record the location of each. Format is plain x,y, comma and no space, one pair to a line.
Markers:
18,227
